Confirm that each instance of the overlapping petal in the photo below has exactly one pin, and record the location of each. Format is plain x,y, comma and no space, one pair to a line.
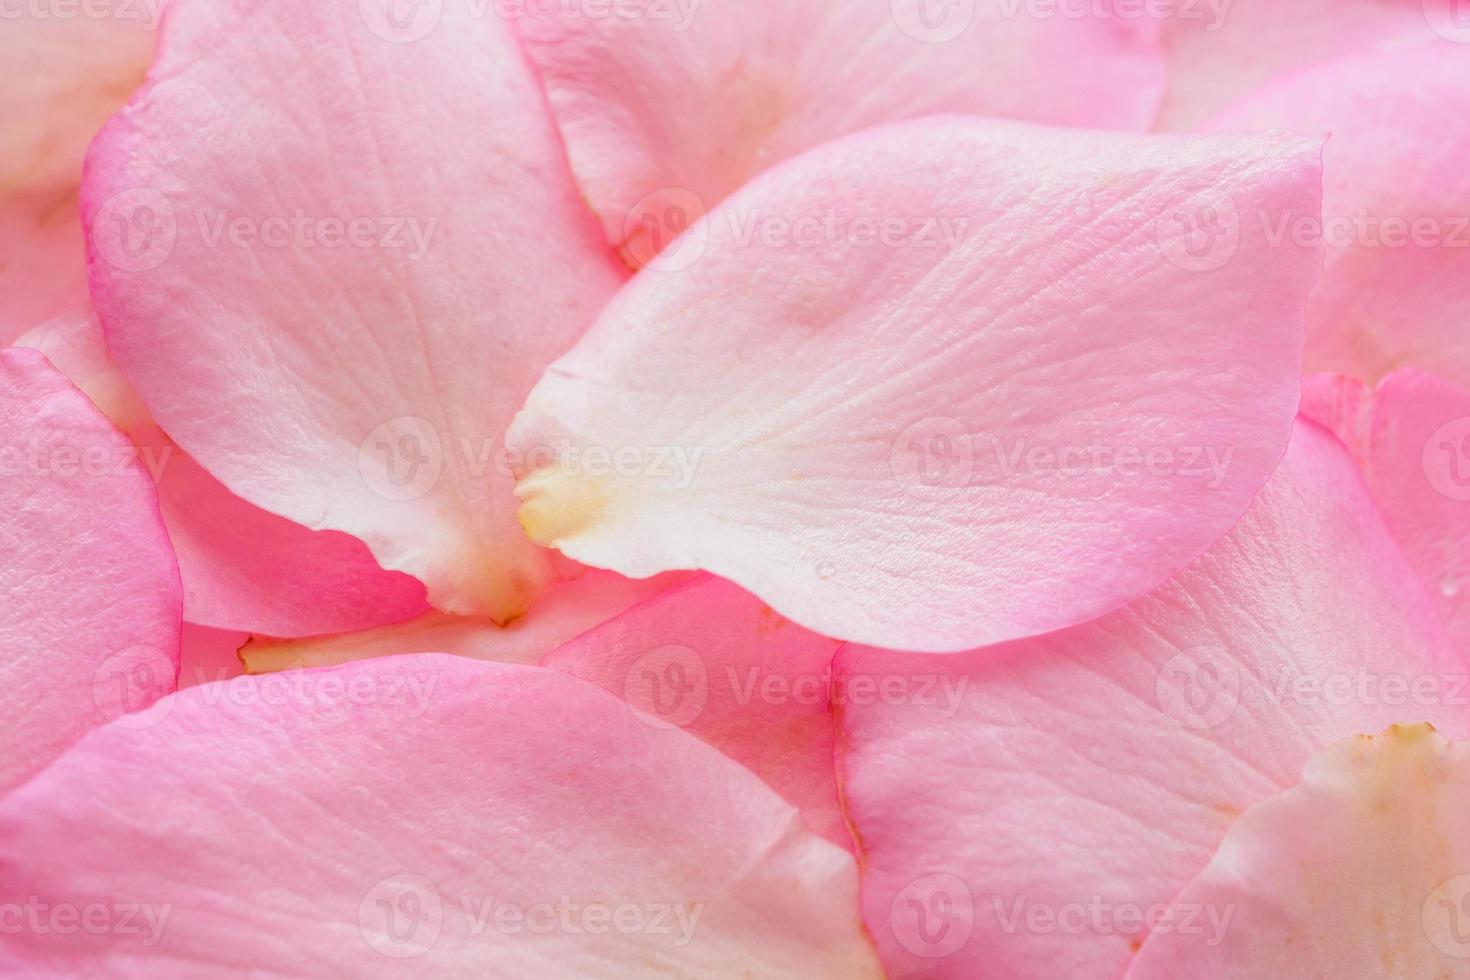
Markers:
1222,50
1082,779
667,112
334,302
1412,437
1396,205
426,814
1360,872
242,567
89,630
941,383
713,660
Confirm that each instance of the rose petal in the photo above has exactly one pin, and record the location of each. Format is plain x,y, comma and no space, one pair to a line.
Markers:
1396,202
849,427
677,109
566,610
243,568
429,814
1103,765
1412,437
715,661
330,302
1360,872
1223,50
90,623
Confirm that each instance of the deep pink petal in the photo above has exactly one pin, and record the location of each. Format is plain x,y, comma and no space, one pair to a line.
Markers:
90,622
715,661
335,302
677,111
392,818
1034,395
1106,762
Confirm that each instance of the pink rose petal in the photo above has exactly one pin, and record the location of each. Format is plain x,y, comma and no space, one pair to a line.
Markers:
1030,397
1104,764
677,111
425,816
335,303
90,622
715,661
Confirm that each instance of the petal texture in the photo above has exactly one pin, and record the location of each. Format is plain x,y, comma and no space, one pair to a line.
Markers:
1396,205
327,302
90,623
1360,872
1025,844
669,112
242,567
715,661
1412,437
433,815
940,383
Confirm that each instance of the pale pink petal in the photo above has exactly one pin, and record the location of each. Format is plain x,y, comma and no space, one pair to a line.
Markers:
335,303
715,661
1359,873
990,383
64,68
1221,50
90,624
1396,202
424,816
1412,437
676,110
243,568
1105,763
566,609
